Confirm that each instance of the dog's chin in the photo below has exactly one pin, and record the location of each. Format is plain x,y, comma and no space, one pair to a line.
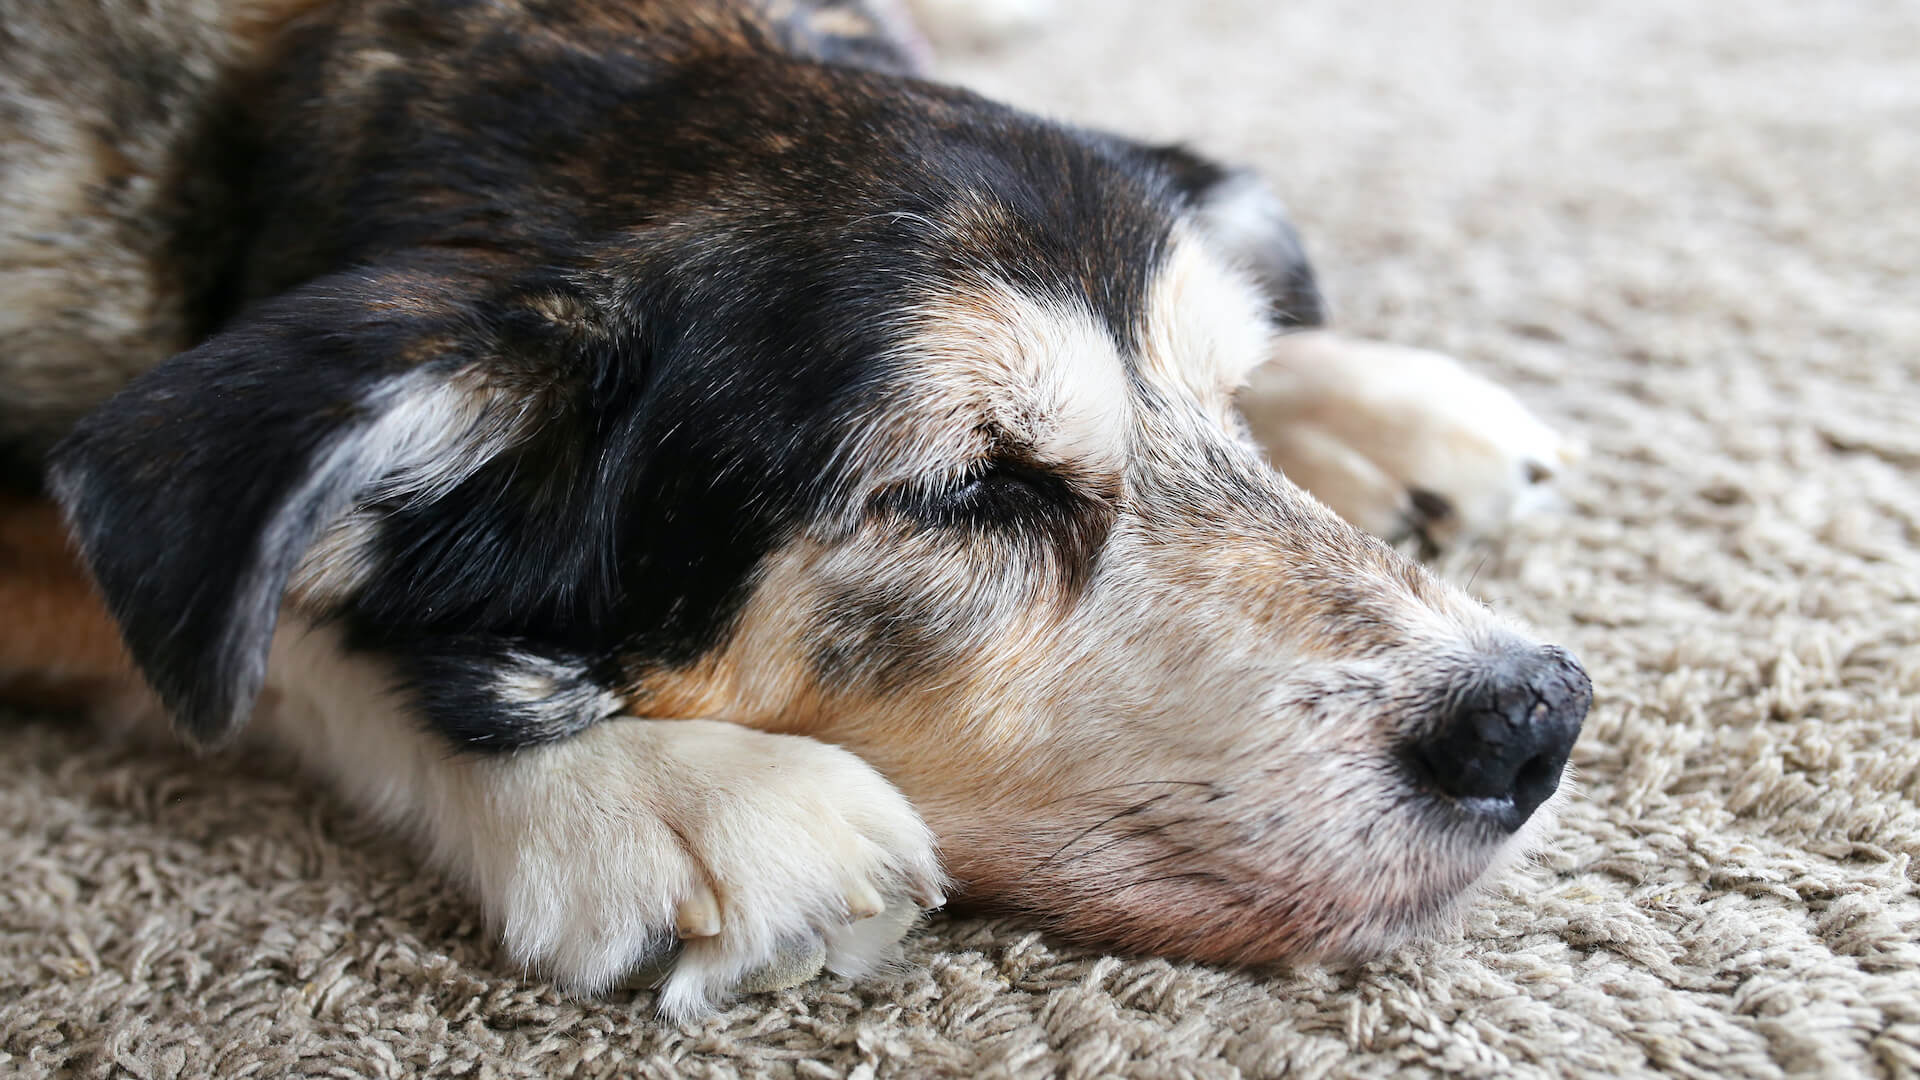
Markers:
1316,905
1478,858
1440,913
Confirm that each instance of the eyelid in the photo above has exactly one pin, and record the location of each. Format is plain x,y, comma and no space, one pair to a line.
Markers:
983,471
936,496
1015,467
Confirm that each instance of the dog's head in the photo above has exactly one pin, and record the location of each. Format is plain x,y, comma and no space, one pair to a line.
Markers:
867,410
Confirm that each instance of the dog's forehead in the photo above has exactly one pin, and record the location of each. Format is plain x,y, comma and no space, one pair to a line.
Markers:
984,365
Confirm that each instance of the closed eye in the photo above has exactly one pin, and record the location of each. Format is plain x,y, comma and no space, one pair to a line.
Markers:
1061,523
998,494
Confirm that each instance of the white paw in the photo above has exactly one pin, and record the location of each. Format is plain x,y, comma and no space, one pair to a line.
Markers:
744,850
1401,442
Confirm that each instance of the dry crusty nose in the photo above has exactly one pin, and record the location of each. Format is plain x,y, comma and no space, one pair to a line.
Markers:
1500,753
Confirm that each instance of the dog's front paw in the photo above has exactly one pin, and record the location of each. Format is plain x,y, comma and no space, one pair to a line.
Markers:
1404,443
722,853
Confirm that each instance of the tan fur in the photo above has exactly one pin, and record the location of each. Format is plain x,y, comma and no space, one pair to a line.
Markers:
58,646
993,363
1208,323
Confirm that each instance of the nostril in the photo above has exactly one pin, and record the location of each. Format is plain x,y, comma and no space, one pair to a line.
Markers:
1538,769
1501,750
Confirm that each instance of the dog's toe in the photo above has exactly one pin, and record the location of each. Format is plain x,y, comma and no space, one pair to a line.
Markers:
1406,444
706,857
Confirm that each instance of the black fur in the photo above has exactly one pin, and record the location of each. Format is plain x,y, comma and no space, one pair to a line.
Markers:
20,469
683,250
196,490
1277,256
468,687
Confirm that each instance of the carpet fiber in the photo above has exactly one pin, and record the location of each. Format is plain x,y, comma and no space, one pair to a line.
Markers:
1690,232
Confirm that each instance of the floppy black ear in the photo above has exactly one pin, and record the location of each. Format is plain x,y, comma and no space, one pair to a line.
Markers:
195,491
1245,221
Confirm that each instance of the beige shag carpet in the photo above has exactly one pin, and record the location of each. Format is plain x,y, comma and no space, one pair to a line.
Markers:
1690,231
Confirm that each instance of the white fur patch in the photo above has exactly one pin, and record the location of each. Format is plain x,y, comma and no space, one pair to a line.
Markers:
1207,325
1238,211
1042,372
431,432
584,852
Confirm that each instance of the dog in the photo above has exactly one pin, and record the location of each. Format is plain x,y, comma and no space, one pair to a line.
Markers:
718,490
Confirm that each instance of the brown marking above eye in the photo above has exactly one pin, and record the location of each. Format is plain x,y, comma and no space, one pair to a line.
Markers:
1027,375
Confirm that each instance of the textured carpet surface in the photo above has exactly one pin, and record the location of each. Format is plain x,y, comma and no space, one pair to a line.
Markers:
1689,231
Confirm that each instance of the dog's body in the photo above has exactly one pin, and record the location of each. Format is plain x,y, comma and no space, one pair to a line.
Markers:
607,439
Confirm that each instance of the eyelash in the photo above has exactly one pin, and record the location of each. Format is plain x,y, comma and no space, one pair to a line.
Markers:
999,494
1058,521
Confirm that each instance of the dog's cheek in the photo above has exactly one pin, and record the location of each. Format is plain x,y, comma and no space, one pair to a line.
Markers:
886,644
832,632
896,613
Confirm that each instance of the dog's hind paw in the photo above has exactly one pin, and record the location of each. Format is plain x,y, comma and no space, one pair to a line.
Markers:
705,857
1404,443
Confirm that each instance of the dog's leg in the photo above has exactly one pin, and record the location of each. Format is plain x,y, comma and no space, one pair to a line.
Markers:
58,647
607,850
1402,442
603,852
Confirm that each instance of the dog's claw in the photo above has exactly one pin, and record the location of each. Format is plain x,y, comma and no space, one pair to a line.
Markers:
864,901
698,916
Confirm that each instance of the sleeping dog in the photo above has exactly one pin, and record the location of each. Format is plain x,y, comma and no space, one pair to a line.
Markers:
685,469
